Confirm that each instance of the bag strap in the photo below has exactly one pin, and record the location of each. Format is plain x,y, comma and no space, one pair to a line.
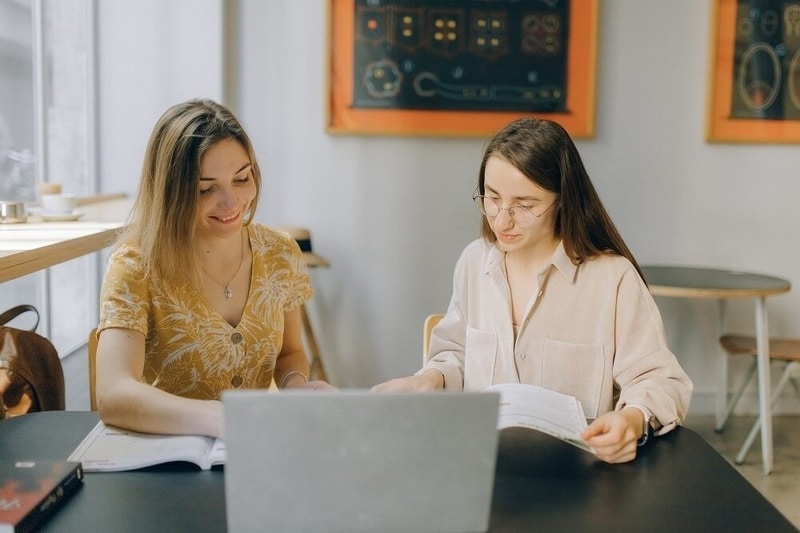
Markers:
15,311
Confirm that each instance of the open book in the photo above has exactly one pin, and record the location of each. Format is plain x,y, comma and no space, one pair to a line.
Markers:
556,414
110,449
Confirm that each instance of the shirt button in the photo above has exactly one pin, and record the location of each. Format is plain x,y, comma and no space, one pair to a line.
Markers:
237,337
522,356
539,294
237,381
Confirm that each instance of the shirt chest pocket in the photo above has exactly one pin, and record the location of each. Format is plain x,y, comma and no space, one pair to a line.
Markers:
575,369
479,355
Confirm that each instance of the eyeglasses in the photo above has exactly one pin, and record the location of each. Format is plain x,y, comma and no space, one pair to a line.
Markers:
521,215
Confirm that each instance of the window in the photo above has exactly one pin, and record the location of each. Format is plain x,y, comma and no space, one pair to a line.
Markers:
47,135
17,180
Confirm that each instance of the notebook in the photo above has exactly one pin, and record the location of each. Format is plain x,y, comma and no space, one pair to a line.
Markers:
353,461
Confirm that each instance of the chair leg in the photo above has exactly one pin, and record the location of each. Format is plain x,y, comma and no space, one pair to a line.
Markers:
796,386
795,377
788,374
732,405
316,368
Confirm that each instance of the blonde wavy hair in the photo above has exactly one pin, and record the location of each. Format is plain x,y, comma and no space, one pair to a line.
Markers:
163,220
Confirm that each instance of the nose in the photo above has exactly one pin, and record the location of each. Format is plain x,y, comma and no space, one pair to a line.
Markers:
504,218
227,196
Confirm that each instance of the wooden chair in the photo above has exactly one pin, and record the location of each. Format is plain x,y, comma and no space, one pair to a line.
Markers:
428,325
782,350
91,348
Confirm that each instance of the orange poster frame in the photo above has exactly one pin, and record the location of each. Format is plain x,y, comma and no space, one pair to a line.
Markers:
720,127
343,119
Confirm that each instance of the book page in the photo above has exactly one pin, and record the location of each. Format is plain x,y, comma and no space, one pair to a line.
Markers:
110,449
217,454
556,414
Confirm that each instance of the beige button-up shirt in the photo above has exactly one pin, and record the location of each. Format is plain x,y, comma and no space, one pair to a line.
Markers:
592,331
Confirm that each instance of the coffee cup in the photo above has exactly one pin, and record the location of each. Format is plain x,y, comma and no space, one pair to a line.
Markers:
58,204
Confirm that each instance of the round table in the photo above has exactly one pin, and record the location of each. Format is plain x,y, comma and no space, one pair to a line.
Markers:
720,284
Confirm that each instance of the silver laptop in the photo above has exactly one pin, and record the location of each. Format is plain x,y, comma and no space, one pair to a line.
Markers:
352,461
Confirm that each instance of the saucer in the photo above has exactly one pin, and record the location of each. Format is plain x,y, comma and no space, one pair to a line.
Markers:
61,217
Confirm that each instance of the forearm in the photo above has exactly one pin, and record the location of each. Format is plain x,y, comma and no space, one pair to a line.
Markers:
141,407
449,374
424,380
291,369
433,377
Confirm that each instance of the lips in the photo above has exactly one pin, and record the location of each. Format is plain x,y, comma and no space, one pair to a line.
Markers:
506,237
227,218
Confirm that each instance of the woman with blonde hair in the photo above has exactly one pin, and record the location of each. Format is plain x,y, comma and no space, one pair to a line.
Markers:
197,297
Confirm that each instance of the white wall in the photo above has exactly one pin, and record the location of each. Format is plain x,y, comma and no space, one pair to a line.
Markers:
150,54
393,213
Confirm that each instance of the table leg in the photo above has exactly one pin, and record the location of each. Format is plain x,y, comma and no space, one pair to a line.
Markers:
722,369
764,386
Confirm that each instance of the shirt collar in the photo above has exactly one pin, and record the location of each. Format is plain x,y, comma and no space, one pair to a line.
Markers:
494,257
563,263
559,259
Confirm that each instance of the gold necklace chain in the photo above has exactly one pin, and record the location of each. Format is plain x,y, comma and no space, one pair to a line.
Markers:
227,291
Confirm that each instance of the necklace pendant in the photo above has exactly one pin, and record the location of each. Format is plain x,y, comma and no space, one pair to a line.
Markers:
228,293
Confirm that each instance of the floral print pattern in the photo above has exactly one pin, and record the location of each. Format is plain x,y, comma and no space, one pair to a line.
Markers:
190,350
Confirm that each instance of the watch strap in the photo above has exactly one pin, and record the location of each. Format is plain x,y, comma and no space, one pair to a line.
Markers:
647,431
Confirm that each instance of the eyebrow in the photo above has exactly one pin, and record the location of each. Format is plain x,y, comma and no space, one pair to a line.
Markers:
241,169
535,198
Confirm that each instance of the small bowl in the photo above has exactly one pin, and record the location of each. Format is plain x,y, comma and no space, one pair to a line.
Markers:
12,212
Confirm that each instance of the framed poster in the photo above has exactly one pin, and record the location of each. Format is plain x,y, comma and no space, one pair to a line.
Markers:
460,67
754,72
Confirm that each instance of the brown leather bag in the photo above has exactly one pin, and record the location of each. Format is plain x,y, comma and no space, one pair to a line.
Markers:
31,377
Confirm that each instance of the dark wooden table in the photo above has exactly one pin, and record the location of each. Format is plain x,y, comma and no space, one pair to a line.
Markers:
678,483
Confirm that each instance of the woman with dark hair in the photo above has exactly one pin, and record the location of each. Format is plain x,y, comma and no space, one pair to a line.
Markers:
197,298
550,295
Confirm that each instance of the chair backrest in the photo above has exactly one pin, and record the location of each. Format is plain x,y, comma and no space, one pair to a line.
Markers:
91,348
428,325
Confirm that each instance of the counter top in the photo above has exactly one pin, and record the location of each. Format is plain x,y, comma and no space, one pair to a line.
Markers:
34,245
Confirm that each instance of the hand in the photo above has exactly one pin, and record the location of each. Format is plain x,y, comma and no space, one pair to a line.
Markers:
613,436
429,380
316,385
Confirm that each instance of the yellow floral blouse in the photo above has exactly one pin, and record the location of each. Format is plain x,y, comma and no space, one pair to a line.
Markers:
190,350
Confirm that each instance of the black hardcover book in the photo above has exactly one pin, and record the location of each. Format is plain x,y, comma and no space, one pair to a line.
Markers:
30,491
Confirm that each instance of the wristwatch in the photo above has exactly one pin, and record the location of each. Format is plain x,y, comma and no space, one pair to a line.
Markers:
647,432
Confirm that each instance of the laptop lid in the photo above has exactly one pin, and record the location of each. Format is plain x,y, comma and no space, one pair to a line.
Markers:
356,460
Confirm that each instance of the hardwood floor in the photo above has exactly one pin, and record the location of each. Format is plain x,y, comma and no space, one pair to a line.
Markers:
781,487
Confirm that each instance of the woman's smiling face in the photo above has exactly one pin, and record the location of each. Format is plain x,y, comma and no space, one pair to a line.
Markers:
226,188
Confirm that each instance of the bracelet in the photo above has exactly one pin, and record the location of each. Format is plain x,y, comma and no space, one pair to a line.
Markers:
290,374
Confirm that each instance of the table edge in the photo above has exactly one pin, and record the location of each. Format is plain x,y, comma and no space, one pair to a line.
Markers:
716,293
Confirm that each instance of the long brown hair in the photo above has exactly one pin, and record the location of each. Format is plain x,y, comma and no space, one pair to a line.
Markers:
544,152
163,220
